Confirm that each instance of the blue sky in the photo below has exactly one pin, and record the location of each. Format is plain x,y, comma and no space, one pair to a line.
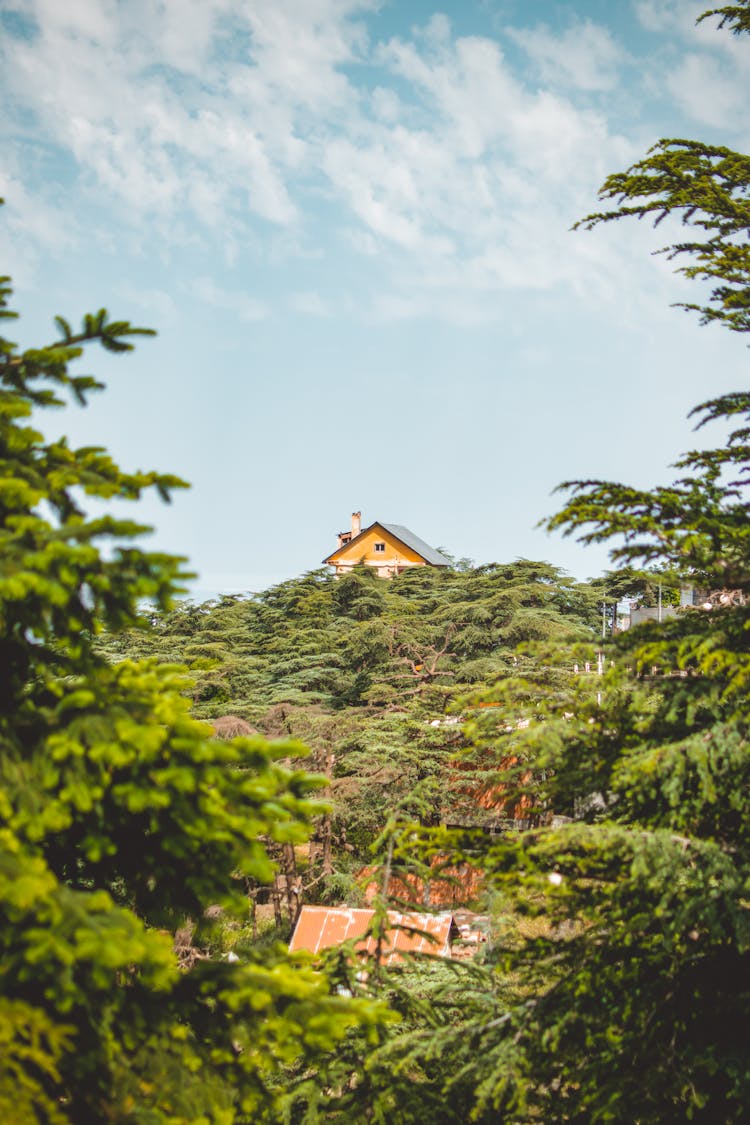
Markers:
350,223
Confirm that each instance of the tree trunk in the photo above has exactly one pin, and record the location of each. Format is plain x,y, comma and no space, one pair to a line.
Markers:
276,900
326,852
289,863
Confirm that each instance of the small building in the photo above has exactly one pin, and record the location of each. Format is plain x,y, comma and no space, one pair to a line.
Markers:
322,927
690,598
388,547
449,888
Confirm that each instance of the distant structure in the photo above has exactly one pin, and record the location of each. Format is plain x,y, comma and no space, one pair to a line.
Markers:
690,598
437,935
388,547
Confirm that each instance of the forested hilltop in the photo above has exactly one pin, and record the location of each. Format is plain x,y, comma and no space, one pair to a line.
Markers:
372,674
462,729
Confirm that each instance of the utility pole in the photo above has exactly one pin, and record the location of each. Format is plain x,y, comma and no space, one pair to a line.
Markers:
600,654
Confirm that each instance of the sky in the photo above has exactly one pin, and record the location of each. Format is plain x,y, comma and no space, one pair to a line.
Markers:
349,221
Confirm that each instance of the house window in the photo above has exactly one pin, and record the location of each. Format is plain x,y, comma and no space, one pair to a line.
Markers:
380,547
345,539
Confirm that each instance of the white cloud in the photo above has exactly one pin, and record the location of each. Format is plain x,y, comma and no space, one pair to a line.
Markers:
159,304
191,102
668,15
705,70
25,211
478,192
29,222
702,86
435,157
311,304
243,305
386,105
84,20
584,56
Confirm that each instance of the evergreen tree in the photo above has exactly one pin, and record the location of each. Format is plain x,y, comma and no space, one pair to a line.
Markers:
620,989
365,672
708,188
633,1002
121,818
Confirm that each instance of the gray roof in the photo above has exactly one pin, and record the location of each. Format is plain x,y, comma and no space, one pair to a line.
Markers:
429,554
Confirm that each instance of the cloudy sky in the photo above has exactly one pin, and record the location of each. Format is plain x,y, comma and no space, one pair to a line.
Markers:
349,221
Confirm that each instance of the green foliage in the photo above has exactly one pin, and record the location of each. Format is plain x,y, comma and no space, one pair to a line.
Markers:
617,985
119,813
366,673
30,1047
644,586
629,935
426,1067
736,17
619,990
698,524
709,188
615,988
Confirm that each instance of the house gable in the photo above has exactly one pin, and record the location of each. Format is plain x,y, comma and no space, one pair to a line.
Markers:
322,927
378,547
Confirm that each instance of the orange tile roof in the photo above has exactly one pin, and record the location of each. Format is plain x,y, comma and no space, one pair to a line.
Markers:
448,888
320,927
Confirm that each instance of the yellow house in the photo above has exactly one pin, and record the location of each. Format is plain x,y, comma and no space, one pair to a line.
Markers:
388,547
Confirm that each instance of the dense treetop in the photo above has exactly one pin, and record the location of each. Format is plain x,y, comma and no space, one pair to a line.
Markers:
616,874
121,818
366,671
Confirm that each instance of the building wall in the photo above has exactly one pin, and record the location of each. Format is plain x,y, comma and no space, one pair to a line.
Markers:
394,558
651,613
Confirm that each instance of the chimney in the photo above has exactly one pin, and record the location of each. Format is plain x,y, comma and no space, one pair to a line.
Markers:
356,523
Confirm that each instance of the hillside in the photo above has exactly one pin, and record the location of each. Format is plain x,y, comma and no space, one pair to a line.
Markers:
369,674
